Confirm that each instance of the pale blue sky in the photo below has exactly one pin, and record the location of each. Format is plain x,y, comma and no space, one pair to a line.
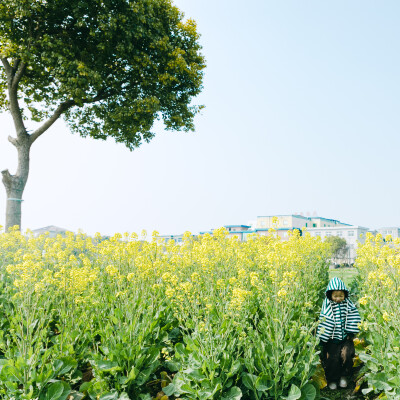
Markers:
302,115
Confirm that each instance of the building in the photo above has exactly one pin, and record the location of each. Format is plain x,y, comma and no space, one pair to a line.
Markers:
282,221
177,238
319,222
295,221
51,230
351,233
237,231
316,226
393,231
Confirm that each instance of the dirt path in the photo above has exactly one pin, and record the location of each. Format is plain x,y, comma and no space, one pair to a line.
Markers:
341,394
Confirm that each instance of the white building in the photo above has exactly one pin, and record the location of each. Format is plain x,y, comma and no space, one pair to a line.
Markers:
51,230
237,231
295,221
316,226
351,233
393,231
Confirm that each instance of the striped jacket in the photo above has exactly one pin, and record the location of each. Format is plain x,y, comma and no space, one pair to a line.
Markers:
337,319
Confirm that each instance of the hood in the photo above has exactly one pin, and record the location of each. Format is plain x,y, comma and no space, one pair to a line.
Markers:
331,316
336,284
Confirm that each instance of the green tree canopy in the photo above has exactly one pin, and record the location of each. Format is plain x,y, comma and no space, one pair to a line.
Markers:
338,246
112,67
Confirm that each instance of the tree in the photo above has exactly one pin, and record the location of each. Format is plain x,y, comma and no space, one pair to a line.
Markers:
110,67
338,246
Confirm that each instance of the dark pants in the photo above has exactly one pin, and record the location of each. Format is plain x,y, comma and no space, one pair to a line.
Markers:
337,359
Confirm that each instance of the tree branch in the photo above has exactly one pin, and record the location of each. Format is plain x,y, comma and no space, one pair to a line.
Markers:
19,73
13,141
61,109
15,64
7,178
47,124
7,67
16,111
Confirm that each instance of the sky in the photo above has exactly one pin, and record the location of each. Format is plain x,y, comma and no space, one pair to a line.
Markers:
301,116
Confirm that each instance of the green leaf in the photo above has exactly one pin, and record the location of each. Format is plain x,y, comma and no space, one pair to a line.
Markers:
107,366
172,366
234,368
169,390
367,390
55,391
109,396
68,364
75,396
308,392
186,388
10,373
249,380
205,394
263,383
144,375
132,374
195,374
174,334
85,386
3,363
379,381
66,390
366,357
294,393
180,349
395,381
234,393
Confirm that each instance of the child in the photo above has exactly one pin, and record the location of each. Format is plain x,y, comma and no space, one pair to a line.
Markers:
339,321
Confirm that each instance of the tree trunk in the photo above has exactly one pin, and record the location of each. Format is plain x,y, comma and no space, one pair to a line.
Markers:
13,208
15,184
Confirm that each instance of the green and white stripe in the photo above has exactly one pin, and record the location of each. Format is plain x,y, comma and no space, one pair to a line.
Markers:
337,319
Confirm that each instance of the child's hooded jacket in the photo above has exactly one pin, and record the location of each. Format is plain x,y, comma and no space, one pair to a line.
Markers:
337,319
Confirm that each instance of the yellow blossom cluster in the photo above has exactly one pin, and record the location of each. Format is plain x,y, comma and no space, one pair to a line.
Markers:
378,262
103,295
200,277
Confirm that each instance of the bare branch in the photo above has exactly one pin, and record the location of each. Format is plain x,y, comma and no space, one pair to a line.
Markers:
47,124
13,141
7,178
16,111
60,110
19,73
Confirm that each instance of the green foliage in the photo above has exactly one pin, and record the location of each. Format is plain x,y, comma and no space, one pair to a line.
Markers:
96,319
115,66
338,246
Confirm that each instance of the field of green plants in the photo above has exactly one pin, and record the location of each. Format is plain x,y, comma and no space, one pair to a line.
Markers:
126,318
212,318
378,286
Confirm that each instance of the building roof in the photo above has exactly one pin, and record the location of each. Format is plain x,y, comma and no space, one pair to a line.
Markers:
283,215
329,219
274,229
50,228
316,228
